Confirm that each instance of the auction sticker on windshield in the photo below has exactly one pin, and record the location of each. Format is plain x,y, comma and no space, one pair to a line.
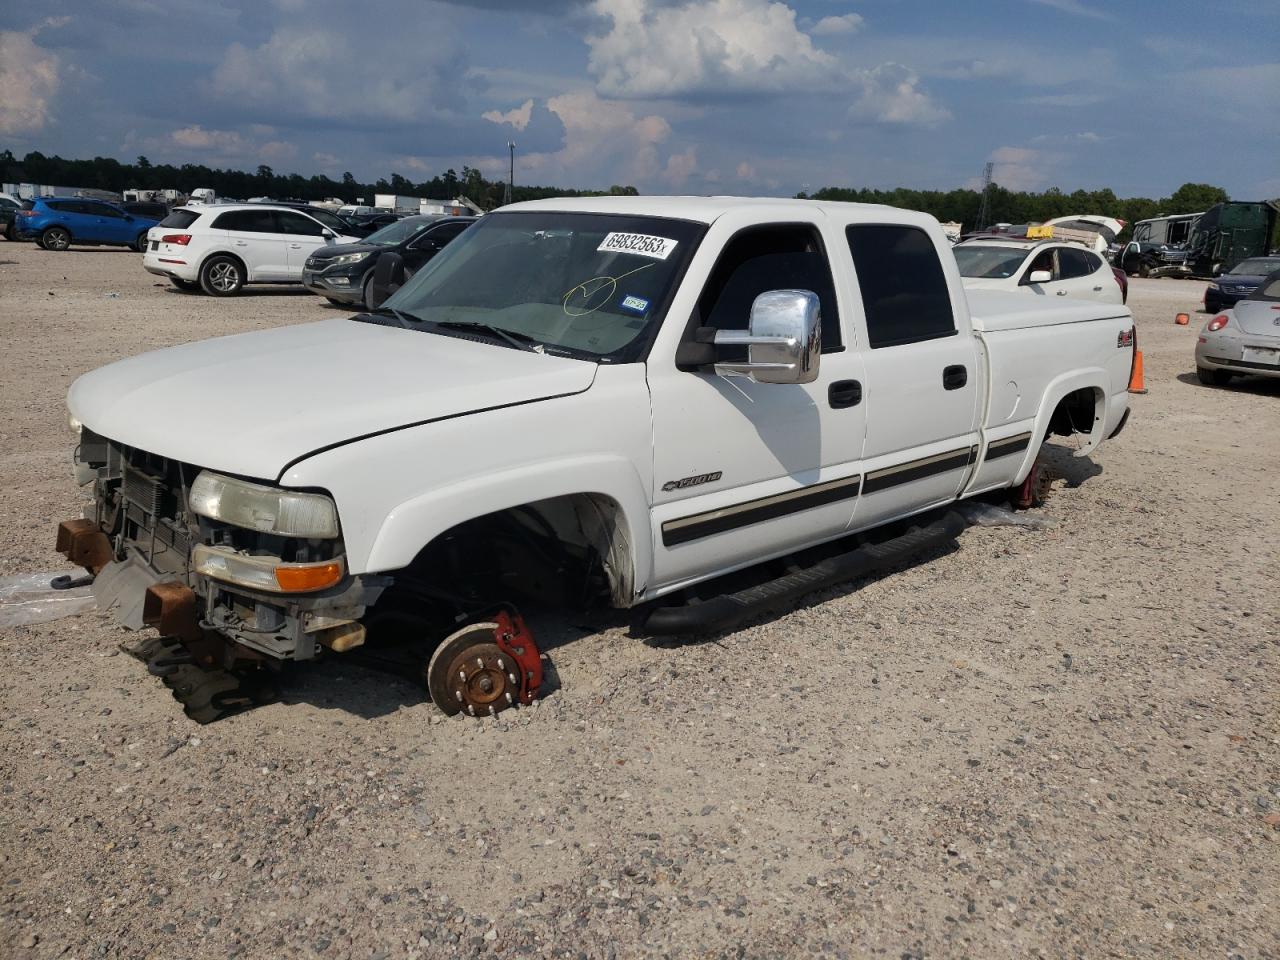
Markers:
659,248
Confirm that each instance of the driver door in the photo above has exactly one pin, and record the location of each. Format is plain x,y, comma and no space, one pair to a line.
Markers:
744,471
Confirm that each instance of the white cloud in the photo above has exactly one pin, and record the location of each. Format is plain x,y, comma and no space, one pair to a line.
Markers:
29,79
604,142
891,94
221,146
718,47
745,171
517,117
1075,8
707,46
1018,168
829,26
330,73
680,167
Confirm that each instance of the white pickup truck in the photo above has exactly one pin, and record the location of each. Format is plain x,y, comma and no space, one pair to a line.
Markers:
619,396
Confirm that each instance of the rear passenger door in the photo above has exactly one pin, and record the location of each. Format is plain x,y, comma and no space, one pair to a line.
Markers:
88,222
255,237
1077,271
923,375
302,235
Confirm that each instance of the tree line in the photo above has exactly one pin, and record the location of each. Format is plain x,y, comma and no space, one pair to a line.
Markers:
960,205
1016,206
107,173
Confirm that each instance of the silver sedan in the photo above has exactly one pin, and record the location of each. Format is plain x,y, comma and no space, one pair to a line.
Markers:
1244,339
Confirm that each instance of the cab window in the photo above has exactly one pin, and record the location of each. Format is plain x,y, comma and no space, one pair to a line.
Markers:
760,259
904,291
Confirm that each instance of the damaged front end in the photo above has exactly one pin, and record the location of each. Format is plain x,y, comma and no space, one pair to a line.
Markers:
236,575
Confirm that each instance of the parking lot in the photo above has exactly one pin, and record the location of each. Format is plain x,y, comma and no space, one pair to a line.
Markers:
1057,742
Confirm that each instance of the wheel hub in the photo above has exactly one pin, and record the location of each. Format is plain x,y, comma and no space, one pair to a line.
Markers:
469,673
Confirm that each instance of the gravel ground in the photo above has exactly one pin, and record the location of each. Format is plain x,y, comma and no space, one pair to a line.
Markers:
1051,743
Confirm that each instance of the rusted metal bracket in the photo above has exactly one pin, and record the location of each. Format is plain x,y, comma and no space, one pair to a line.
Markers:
81,542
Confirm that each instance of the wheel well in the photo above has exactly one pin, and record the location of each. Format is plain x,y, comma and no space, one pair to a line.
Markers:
57,226
572,550
1077,412
229,256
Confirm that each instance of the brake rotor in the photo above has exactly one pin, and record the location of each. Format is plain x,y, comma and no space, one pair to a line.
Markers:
469,673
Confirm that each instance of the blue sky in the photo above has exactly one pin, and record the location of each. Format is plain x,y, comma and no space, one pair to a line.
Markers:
673,96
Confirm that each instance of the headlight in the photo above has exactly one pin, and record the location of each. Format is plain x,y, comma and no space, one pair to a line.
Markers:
288,513
1213,286
266,573
347,258
74,425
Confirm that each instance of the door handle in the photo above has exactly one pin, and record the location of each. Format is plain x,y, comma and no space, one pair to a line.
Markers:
1062,293
954,377
295,246
1096,289
242,243
844,393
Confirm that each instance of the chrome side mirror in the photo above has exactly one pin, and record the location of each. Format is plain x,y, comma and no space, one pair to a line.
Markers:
783,339
1039,276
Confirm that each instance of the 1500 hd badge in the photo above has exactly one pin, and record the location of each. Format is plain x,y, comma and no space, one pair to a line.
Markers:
692,481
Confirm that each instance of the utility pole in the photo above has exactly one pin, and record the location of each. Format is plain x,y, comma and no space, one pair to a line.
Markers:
984,208
511,177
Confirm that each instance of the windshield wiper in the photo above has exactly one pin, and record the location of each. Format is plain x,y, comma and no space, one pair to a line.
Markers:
521,341
406,319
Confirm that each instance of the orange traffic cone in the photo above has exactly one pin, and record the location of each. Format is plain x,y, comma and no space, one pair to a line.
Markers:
1182,319
1136,383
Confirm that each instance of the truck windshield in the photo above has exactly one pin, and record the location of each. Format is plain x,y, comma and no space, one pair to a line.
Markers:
586,284
989,263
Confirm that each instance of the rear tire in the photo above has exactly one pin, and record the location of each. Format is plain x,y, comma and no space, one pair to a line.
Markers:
366,295
186,286
55,238
222,276
1213,378
141,243
10,231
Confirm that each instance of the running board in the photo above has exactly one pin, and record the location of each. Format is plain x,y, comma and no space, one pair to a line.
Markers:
729,610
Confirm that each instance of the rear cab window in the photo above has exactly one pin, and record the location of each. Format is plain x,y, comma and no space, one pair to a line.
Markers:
904,290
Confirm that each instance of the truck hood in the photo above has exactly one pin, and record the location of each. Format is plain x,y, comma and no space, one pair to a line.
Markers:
254,403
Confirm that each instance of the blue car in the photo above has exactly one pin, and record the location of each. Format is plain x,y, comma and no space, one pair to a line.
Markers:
1238,282
57,222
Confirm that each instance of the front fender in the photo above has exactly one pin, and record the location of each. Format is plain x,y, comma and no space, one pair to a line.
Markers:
413,524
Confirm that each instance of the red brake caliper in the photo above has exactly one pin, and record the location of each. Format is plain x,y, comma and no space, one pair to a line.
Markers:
514,639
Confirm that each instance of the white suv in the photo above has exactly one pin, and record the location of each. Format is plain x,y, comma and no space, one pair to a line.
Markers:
221,247
1038,267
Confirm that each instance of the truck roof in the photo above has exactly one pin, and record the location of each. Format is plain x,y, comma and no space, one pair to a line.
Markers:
709,209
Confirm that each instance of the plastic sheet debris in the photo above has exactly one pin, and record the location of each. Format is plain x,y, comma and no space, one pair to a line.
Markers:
989,515
112,296
27,598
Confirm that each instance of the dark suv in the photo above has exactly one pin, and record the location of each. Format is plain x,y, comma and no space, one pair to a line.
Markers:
343,273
